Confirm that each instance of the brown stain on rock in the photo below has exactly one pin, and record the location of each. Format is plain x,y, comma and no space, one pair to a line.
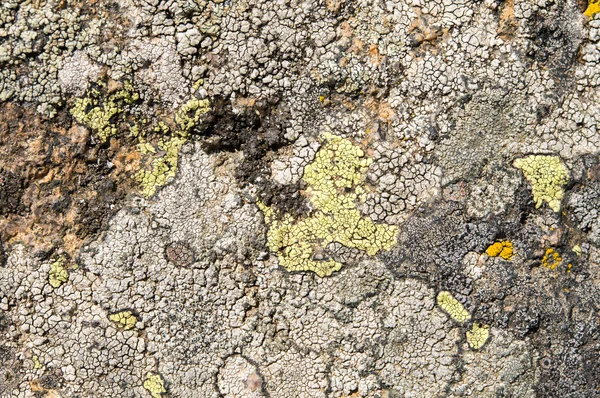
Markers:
57,187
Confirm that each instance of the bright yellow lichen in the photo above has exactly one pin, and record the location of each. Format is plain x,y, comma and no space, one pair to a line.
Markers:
124,319
453,307
334,181
548,176
478,335
58,273
593,8
502,249
99,115
155,384
551,259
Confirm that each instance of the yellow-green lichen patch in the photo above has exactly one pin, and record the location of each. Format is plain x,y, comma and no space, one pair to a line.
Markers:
189,114
478,335
593,8
453,307
58,273
551,258
155,385
334,181
502,249
577,250
548,175
36,362
124,319
163,168
99,115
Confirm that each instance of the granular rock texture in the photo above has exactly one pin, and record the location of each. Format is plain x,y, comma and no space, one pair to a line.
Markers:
318,198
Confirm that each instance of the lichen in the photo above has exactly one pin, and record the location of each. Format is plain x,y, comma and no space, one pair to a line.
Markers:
334,181
551,259
593,8
98,115
124,319
478,335
165,167
155,384
36,362
453,307
548,176
502,249
189,114
58,273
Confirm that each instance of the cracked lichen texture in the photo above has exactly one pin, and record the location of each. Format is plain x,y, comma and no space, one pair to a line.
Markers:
548,176
335,186
155,385
478,335
452,307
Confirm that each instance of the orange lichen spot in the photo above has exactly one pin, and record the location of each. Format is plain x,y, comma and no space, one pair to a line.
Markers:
569,267
502,249
551,259
593,8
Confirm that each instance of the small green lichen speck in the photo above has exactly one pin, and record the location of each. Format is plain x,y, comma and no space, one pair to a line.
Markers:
98,115
124,319
58,273
548,175
334,181
155,384
453,307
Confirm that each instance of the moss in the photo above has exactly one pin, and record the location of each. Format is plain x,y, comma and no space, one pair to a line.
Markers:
453,307
548,176
334,181
502,249
155,384
551,258
124,319
98,114
593,8
478,335
58,273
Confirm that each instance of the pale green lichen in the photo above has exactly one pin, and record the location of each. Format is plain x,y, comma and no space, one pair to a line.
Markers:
155,385
189,114
36,362
478,335
58,273
548,175
334,181
124,319
453,307
164,168
98,114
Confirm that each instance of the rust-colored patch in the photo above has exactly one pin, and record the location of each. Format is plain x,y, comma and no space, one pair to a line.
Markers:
507,26
57,189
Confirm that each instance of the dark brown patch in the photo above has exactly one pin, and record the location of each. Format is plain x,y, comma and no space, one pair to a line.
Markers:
56,189
180,254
